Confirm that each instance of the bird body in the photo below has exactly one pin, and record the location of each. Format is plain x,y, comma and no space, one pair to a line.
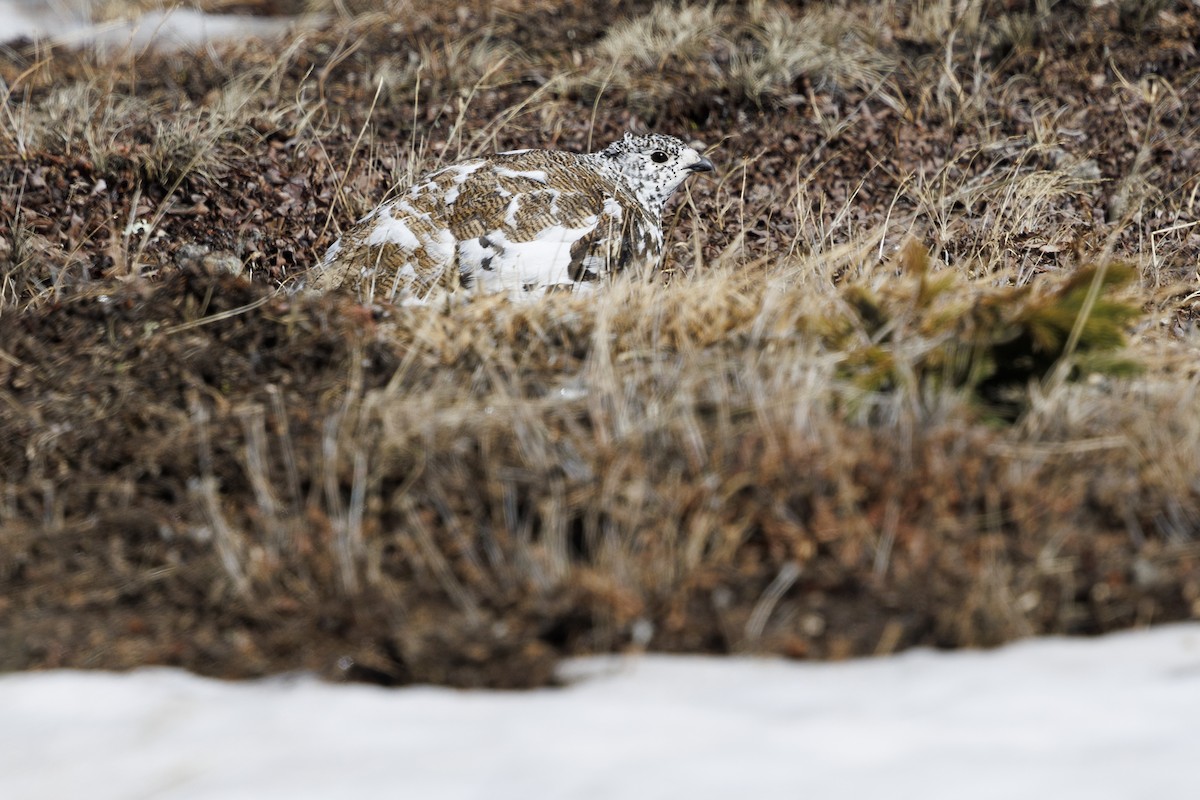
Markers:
521,222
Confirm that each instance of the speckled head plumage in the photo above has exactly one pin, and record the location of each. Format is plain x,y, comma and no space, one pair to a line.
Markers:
654,165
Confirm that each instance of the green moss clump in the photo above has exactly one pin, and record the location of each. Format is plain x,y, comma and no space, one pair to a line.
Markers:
992,344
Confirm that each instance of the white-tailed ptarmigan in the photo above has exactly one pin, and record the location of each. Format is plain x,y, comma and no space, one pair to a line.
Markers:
522,222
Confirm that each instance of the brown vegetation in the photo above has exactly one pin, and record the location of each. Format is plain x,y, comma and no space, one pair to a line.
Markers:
921,368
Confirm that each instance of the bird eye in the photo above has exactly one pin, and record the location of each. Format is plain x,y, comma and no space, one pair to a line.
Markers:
658,156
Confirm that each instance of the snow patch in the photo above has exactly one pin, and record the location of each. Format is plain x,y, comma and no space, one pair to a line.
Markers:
1101,719
68,22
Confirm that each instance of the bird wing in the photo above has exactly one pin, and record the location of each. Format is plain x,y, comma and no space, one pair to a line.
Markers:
533,221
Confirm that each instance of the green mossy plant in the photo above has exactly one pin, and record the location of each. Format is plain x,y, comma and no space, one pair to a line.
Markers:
992,344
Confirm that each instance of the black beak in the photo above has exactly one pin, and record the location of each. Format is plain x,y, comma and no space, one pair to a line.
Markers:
703,165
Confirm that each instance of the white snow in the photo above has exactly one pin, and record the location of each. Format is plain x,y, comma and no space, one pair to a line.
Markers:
19,18
1114,717
69,22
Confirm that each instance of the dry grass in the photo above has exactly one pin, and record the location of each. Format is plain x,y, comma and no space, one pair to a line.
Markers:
920,369
759,52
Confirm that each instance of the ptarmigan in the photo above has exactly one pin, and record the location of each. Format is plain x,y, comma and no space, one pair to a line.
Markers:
521,222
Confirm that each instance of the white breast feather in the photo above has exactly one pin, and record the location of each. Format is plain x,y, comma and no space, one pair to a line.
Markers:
538,264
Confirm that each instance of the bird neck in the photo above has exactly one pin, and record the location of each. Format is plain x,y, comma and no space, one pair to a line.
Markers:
650,196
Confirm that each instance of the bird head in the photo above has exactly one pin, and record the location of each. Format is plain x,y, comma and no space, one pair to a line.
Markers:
654,165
